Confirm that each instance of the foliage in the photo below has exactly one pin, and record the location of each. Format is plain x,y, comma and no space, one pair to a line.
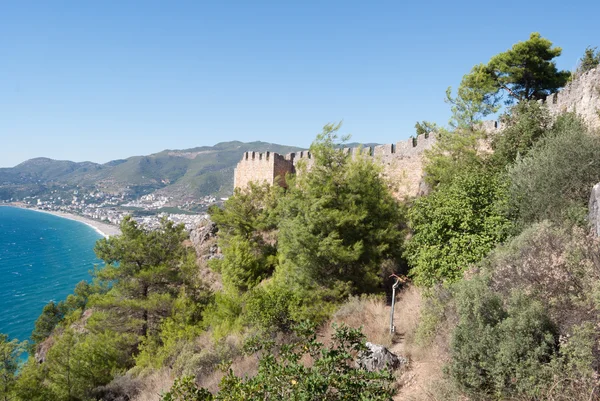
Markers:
224,314
51,315
271,307
184,389
292,254
247,213
526,123
31,381
589,60
433,314
283,375
559,266
508,355
453,154
10,350
55,313
470,106
553,181
524,72
425,127
456,226
244,225
145,268
339,222
77,363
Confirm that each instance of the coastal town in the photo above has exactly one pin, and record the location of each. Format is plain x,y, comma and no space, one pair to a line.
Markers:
98,208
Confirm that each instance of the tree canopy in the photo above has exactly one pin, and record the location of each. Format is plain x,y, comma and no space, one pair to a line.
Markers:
589,60
527,71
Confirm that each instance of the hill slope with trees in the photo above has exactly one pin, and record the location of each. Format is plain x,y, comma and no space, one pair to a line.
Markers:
502,260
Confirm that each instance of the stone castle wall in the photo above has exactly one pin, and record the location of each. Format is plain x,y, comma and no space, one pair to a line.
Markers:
260,167
402,164
582,96
403,161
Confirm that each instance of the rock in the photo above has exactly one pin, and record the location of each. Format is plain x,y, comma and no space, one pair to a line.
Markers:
42,349
377,357
203,238
594,210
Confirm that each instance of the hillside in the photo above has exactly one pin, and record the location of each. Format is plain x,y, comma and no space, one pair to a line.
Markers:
183,174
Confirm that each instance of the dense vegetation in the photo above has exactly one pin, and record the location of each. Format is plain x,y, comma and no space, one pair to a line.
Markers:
500,246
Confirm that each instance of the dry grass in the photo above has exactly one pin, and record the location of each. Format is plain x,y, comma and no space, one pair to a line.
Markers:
242,366
153,385
370,313
423,380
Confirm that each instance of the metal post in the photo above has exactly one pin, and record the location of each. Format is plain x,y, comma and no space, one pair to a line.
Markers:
396,284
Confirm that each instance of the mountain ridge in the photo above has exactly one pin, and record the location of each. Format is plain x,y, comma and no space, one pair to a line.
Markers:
182,173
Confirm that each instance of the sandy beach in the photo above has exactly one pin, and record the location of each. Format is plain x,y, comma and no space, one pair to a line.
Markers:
103,229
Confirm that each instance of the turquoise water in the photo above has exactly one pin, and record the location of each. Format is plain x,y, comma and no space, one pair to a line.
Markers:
42,258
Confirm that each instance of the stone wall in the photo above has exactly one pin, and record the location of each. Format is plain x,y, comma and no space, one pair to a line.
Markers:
261,167
403,161
582,95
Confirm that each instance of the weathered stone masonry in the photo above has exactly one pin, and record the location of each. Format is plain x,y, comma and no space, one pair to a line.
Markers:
582,96
403,161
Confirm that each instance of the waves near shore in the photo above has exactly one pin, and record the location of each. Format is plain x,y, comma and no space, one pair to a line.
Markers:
42,258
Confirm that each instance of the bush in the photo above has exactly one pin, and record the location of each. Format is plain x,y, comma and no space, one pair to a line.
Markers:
283,376
554,180
433,315
456,226
527,123
268,307
184,389
499,351
559,266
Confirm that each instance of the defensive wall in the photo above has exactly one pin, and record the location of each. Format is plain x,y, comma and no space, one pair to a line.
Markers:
581,95
261,167
403,161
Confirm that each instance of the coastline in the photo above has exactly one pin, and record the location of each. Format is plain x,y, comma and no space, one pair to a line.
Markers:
104,229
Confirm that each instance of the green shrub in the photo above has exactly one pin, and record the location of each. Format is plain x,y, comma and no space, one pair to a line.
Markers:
526,124
224,315
184,389
554,180
433,314
497,351
283,376
268,307
557,265
456,226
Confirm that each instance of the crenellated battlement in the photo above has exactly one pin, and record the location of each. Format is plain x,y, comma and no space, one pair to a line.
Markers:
260,167
261,156
402,161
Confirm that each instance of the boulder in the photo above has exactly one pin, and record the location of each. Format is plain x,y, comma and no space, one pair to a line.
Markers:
377,357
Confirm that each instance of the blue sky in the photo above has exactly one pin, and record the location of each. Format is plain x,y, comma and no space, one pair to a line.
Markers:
102,80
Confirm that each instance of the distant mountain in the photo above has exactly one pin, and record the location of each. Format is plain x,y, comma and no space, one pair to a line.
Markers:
184,174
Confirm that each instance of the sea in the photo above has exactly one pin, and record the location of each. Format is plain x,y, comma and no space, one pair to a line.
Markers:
42,258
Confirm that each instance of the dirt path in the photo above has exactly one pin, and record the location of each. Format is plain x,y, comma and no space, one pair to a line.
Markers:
425,364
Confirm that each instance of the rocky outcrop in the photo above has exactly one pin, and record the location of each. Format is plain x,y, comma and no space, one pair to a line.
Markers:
377,357
203,238
594,210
